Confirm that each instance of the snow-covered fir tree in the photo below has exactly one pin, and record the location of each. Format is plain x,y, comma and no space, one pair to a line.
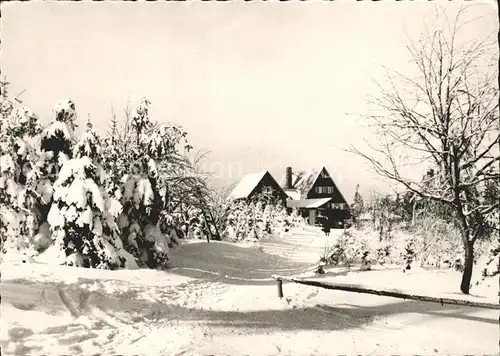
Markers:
55,147
167,223
229,232
242,221
141,198
254,220
295,218
409,253
358,205
82,216
251,228
259,219
18,216
280,216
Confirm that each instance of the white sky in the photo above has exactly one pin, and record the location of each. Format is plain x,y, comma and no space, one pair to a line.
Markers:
261,85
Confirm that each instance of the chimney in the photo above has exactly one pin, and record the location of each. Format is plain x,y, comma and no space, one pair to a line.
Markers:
288,178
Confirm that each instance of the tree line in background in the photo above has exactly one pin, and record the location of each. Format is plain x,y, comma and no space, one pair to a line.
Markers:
405,229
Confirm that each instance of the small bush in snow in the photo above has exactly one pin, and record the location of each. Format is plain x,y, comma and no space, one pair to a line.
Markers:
489,264
366,257
409,253
436,241
383,254
346,250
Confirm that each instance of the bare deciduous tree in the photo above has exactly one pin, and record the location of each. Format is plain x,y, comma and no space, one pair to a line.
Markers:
445,118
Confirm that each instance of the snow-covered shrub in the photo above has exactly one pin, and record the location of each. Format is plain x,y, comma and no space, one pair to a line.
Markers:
383,254
229,232
367,257
352,249
192,223
383,210
267,219
489,249
346,250
242,210
489,263
294,219
196,226
43,239
436,241
409,253
281,223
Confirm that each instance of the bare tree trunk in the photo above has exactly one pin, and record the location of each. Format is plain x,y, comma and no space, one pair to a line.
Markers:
468,266
468,250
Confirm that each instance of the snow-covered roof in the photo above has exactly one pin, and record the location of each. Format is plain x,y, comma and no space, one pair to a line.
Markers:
246,185
307,203
292,193
302,181
305,183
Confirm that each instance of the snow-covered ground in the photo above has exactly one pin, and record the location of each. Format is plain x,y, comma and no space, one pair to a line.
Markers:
219,299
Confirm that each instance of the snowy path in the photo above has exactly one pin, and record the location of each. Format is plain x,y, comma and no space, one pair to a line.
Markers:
218,299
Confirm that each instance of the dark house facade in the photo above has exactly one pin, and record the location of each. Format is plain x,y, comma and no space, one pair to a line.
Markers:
316,196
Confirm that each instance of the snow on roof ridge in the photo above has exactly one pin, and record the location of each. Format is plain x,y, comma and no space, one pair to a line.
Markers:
246,184
307,180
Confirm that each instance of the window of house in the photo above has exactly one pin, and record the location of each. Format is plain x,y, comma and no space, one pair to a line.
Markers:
323,190
340,206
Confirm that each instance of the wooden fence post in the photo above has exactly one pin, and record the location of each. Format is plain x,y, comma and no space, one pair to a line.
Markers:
280,287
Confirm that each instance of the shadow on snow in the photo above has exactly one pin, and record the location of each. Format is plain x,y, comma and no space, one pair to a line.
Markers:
231,264
127,308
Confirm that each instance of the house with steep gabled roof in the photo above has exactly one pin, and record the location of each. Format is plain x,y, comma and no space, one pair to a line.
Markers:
254,184
316,196
313,193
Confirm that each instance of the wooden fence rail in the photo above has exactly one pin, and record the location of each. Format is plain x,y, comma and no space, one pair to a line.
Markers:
387,292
